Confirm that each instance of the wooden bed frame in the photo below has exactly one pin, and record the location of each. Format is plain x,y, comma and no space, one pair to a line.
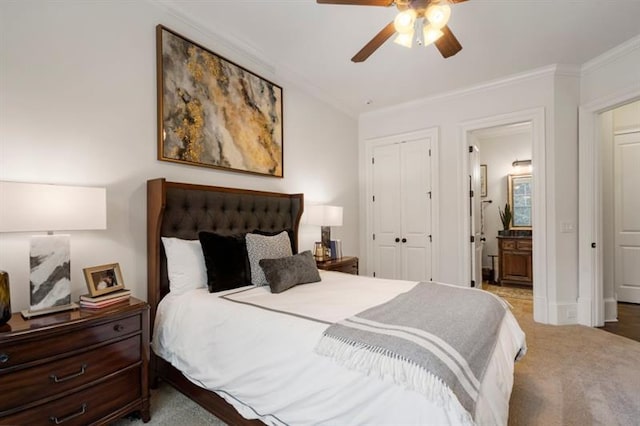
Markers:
181,210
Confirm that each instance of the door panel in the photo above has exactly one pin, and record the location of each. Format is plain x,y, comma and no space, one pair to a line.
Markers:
386,213
627,217
474,216
416,210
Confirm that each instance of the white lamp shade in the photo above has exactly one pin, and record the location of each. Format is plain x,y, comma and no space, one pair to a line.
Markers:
27,207
324,215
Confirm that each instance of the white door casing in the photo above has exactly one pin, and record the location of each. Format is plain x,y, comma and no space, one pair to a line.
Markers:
627,216
399,207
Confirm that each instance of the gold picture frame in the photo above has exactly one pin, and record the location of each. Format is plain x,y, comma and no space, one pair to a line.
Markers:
215,113
103,279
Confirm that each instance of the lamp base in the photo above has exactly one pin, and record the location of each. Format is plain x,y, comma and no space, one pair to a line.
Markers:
28,313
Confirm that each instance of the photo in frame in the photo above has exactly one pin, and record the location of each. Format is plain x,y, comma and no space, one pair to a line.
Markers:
103,279
483,180
215,113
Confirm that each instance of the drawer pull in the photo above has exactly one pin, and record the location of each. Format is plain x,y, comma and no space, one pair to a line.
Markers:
58,421
4,358
118,327
57,379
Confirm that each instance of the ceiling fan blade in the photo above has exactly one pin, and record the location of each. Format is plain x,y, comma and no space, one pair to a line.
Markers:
448,44
358,2
375,43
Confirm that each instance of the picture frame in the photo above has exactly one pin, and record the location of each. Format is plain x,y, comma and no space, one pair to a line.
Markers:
213,112
483,180
103,279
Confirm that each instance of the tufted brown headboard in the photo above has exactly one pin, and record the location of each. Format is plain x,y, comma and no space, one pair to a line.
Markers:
182,210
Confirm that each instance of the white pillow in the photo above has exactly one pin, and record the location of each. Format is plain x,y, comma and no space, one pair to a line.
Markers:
266,247
185,265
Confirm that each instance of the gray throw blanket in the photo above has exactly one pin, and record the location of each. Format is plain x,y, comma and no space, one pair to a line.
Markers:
434,339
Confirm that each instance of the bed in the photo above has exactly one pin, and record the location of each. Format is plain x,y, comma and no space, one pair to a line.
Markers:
250,356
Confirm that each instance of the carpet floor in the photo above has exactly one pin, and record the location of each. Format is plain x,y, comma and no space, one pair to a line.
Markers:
571,375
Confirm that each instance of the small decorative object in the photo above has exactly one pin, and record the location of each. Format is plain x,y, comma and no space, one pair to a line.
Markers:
5,298
505,217
103,279
214,113
318,251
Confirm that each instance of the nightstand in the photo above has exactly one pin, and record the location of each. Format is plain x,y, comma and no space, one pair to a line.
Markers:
348,264
88,366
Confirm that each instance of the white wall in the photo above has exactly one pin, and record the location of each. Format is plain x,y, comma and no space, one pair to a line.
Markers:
498,152
78,107
555,90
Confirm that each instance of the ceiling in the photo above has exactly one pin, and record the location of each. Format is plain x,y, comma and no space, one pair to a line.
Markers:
314,43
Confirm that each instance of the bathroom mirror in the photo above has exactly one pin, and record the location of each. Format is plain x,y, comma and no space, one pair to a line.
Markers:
520,197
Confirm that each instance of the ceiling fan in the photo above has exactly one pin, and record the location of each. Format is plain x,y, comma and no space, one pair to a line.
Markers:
422,20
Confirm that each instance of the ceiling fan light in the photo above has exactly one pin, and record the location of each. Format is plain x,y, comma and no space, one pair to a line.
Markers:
431,34
404,39
438,14
404,21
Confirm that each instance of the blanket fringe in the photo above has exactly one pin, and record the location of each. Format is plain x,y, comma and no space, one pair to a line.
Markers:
383,363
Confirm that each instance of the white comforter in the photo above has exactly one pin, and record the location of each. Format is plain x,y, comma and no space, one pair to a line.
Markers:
263,361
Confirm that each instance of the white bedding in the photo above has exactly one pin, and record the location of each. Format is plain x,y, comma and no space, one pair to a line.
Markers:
263,361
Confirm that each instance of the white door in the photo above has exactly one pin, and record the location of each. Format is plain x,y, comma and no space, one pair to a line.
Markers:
627,217
415,166
476,237
386,212
401,206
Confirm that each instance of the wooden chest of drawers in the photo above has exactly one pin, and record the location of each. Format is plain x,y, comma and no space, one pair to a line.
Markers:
348,264
79,367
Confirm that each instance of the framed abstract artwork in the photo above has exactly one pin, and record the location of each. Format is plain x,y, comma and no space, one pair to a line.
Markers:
215,113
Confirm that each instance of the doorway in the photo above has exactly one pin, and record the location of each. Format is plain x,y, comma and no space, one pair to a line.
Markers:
536,120
592,309
505,154
620,156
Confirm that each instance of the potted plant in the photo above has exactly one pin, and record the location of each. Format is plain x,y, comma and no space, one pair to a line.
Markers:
505,217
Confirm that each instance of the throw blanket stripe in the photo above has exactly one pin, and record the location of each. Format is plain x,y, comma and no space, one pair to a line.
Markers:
456,363
435,339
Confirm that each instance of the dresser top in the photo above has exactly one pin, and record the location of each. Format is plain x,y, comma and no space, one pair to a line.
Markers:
18,325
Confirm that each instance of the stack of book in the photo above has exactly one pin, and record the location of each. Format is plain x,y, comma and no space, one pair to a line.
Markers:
94,302
336,249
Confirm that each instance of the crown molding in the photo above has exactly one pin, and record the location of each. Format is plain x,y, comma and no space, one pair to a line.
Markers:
547,71
611,55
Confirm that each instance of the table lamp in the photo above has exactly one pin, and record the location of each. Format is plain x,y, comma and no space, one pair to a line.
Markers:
30,207
326,217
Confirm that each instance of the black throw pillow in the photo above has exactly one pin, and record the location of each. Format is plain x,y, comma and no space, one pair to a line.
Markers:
225,257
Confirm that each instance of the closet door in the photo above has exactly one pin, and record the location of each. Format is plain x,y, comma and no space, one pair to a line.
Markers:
402,210
415,209
386,211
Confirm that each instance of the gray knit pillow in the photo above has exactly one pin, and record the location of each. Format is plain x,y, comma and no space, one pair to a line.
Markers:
288,272
265,247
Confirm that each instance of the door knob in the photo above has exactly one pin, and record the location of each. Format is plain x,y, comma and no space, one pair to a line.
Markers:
404,240
397,240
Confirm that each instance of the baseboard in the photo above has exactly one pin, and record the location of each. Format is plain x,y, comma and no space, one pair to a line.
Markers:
563,313
610,309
